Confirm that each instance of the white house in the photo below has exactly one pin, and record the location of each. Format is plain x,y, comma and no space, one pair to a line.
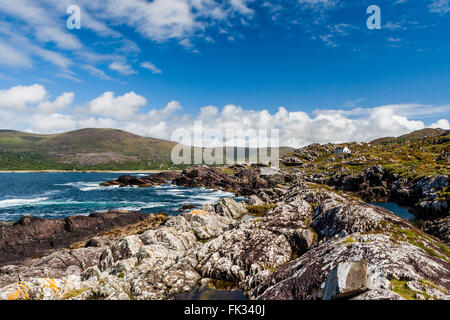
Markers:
342,150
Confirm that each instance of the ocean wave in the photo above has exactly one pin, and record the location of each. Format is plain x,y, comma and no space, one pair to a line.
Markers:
44,201
88,186
9,203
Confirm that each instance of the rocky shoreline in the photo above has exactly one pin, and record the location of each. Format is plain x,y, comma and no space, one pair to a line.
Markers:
34,237
422,195
291,239
379,185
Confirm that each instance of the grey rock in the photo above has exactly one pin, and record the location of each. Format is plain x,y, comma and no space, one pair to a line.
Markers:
230,208
126,247
346,280
207,225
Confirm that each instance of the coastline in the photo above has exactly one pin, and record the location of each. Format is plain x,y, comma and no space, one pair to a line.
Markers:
253,247
87,171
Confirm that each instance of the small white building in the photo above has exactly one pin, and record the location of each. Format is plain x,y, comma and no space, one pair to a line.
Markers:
342,150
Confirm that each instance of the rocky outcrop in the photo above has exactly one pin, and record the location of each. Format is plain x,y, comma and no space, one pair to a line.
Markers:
227,207
32,237
54,265
312,243
207,225
143,182
349,230
239,179
440,228
377,184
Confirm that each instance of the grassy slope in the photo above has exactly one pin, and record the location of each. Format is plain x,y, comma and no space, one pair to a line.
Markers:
414,155
86,149
19,150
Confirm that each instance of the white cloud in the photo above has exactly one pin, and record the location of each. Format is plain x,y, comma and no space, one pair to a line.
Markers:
51,123
12,57
60,103
150,66
36,26
122,68
392,26
165,113
19,97
443,124
328,40
44,24
121,107
439,6
29,108
242,6
96,72
318,4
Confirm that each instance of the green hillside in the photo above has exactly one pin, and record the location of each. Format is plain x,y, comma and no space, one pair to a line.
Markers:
101,149
87,149
417,154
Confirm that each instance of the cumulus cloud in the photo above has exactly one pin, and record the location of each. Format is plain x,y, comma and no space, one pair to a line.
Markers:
19,97
442,123
29,107
121,107
51,123
58,104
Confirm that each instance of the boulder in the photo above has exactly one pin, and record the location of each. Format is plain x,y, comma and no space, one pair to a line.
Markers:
170,238
126,247
346,280
207,225
230,208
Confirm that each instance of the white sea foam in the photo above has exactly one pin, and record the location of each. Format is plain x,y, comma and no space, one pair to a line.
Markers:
58,202
9,203
87,186
44,201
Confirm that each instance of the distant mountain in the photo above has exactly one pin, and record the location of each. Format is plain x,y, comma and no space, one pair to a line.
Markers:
87,149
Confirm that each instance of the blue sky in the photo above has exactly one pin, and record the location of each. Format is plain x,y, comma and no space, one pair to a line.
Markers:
151,66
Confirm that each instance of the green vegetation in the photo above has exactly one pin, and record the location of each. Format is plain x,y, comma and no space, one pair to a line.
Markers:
349,240
444,193
89,150
228,171
73,293
401,287
259,210
418,239
413,156
221,285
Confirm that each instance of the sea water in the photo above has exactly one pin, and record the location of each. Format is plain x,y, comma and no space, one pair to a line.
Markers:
57,195
401,211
